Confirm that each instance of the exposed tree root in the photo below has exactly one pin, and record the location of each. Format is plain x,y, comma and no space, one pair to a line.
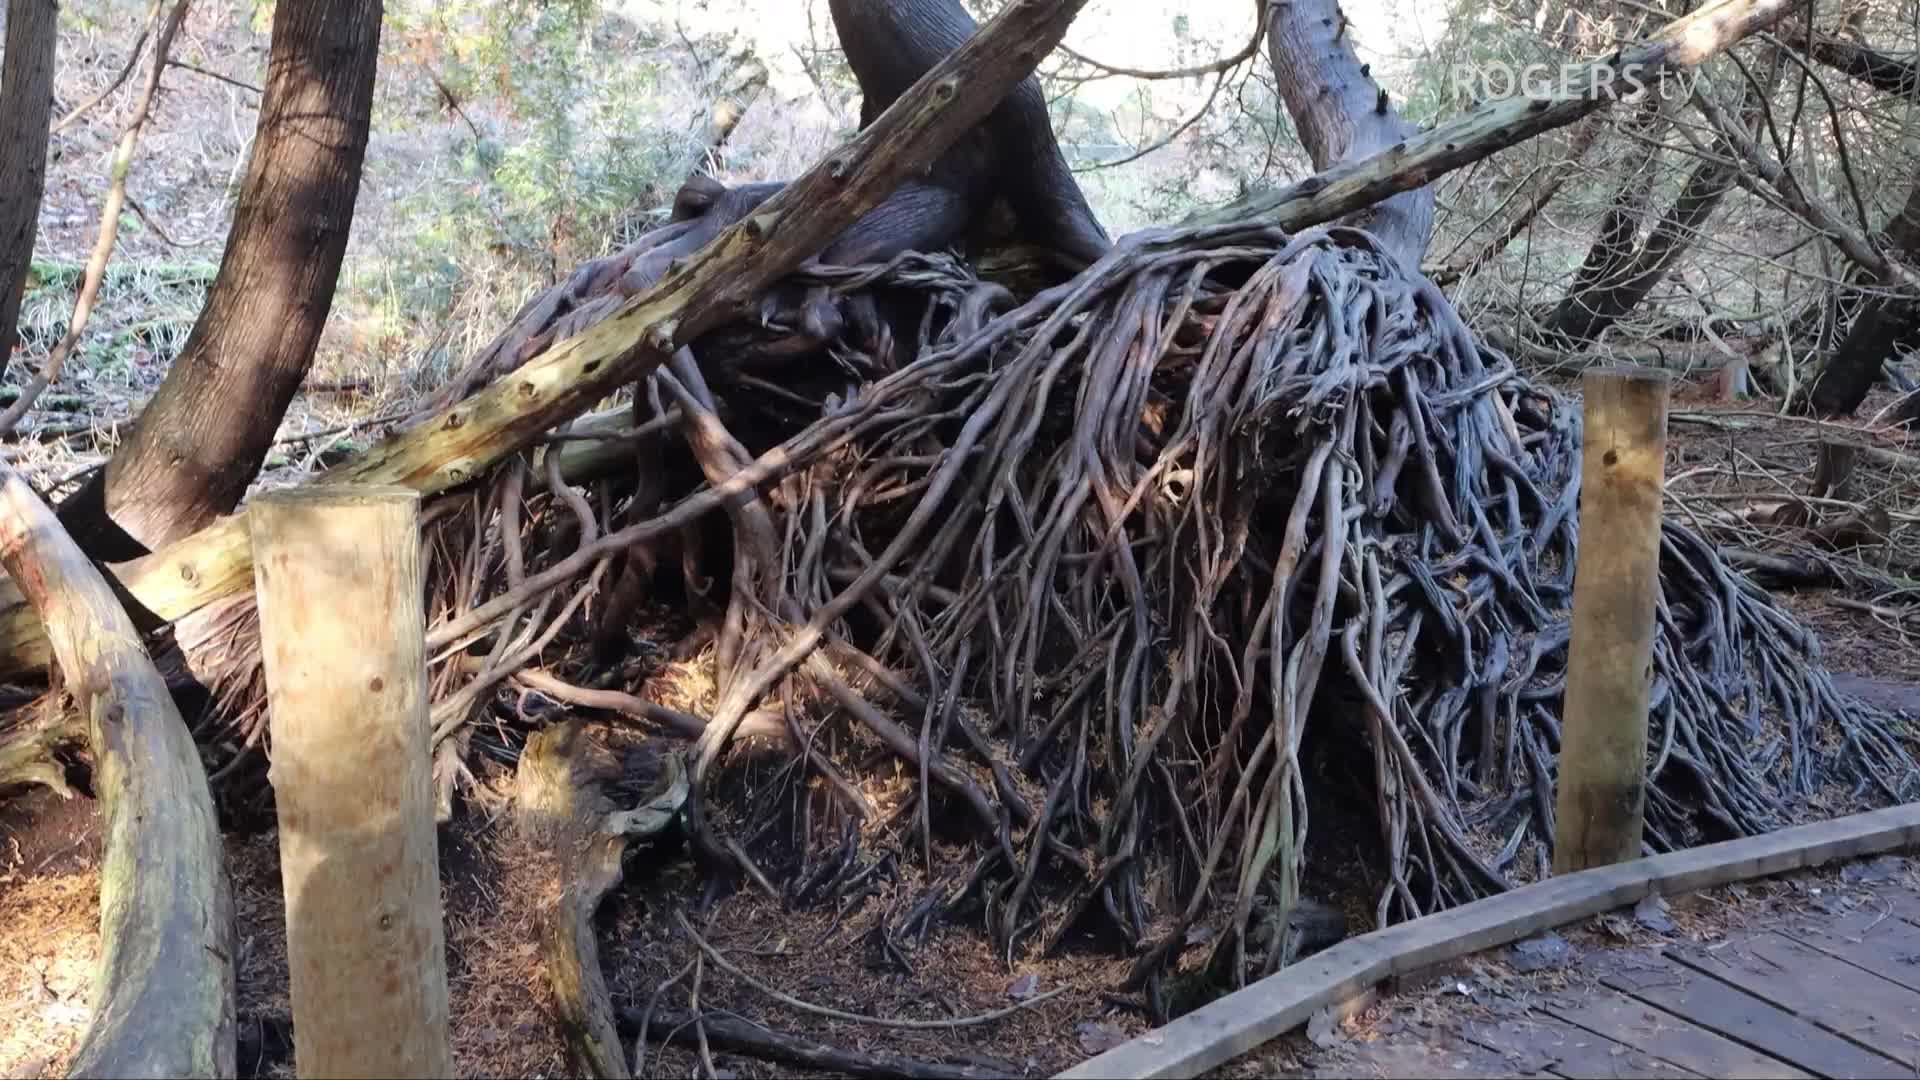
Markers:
1225,489
743,1037
1097,574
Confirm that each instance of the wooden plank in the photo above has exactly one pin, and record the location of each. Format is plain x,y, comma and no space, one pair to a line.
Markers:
1232,1025
1709,1003
1400,1057
342,643
1857,1005
1572,1052
1670,1038
1873,939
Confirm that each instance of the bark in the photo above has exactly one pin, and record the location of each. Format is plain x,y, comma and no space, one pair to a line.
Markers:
1418,160
1585,313
163,1001
202,438
1884,323
713,287
26,105
1342,115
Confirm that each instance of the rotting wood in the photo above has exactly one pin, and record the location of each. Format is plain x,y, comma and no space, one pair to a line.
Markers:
342,633
1240,1021
1601,803
163,997
561,809
464,439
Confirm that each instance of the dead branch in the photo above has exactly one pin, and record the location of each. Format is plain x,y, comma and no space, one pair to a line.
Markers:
96,270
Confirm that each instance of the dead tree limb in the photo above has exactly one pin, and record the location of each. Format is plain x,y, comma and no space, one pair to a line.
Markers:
723,280
163,1005
1421,159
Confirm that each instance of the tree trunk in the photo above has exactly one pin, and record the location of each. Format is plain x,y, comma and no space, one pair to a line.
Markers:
1885,322
26,107
1585,313
202,438
1342,114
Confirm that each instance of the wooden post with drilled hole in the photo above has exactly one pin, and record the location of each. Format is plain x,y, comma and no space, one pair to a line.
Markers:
342,634
1600,810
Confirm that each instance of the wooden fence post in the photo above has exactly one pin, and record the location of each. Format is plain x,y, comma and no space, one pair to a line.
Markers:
342,633
1601,805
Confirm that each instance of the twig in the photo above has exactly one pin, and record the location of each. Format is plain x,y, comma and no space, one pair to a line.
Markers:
184,66
133,58
146,218
1221,66
646,1018
109,229
720,961
756,1040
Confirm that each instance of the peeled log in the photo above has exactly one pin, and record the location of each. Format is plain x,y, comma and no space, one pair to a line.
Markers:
163,997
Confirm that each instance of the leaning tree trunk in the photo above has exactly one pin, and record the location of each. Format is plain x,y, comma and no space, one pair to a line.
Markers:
1883,324
1342,114
1886,322
202,438
26,105
1585,314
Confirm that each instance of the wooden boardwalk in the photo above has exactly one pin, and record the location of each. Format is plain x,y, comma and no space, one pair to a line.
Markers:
1818,975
